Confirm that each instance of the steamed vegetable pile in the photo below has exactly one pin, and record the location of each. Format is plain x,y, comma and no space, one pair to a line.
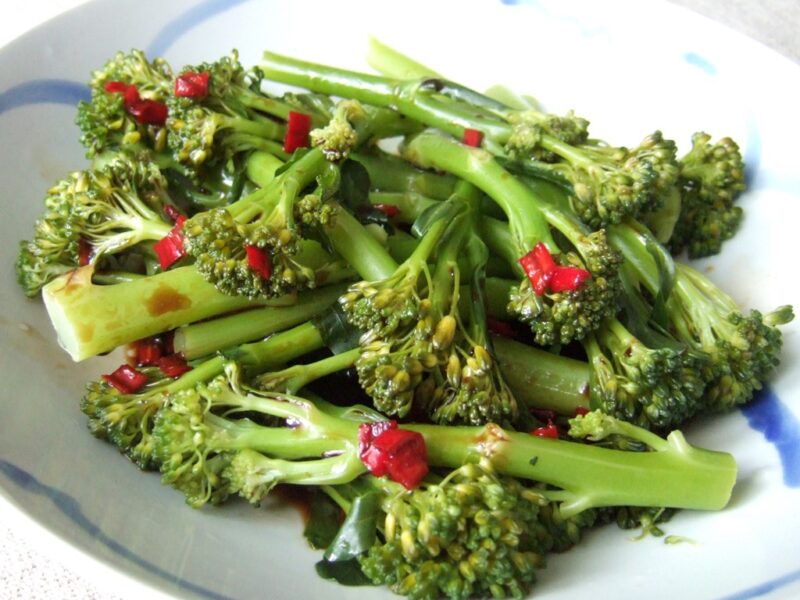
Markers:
458,320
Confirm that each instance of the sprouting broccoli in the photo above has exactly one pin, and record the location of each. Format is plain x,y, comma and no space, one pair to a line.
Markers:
271,220
742,349
233,116
607,183
105,122
93,213
556,317
711,177
471,533
127,419
92,318
478,529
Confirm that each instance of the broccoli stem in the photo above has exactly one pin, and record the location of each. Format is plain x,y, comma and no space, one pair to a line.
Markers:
390,173
518,201
675,474
294,378
358,247
91,319
399,95
391,63
282,348
541,379
200,339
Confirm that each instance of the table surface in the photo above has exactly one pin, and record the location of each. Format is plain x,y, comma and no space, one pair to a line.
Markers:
27,570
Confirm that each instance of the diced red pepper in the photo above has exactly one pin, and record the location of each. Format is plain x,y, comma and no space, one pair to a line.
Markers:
390,210
84,252
259,261
126,379
397,453
581,411
148,112
148,352
173,365
116,87
130,97
538,265
170,248
172,213
548,431
192,85
566,279
473,137
501,328
298,126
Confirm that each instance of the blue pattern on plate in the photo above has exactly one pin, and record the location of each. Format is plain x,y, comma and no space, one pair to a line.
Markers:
768,415
44,91
185,21
701,62
765,588
71,508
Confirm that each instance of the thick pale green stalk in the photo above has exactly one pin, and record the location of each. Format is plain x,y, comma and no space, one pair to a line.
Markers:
91,319
199,339
676,475
389,173
541,379
277,350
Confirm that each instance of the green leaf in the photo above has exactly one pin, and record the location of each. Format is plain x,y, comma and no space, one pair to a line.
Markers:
357,533
345,572
323,522
354,195
336,331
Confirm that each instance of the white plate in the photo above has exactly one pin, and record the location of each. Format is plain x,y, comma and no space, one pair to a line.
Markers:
629,66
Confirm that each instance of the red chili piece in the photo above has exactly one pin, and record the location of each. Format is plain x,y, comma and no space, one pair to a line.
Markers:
472,137
548,431
568,278
397,453
84,252
581,411
298,126
173,365
126,379
390,210
172,213
148,352
259,261
538,265
116,87
544,274
149,112
192,85
170,248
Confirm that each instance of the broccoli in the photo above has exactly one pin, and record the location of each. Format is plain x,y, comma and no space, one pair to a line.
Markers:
92,318
607,183
105,122
711,177
222,438
127,419
742,349
561,316
232,117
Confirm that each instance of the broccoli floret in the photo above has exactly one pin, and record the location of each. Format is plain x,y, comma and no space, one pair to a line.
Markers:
556,318
711,177
473,534
529,128
340,135
744,348
93,213
272,220
105,123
